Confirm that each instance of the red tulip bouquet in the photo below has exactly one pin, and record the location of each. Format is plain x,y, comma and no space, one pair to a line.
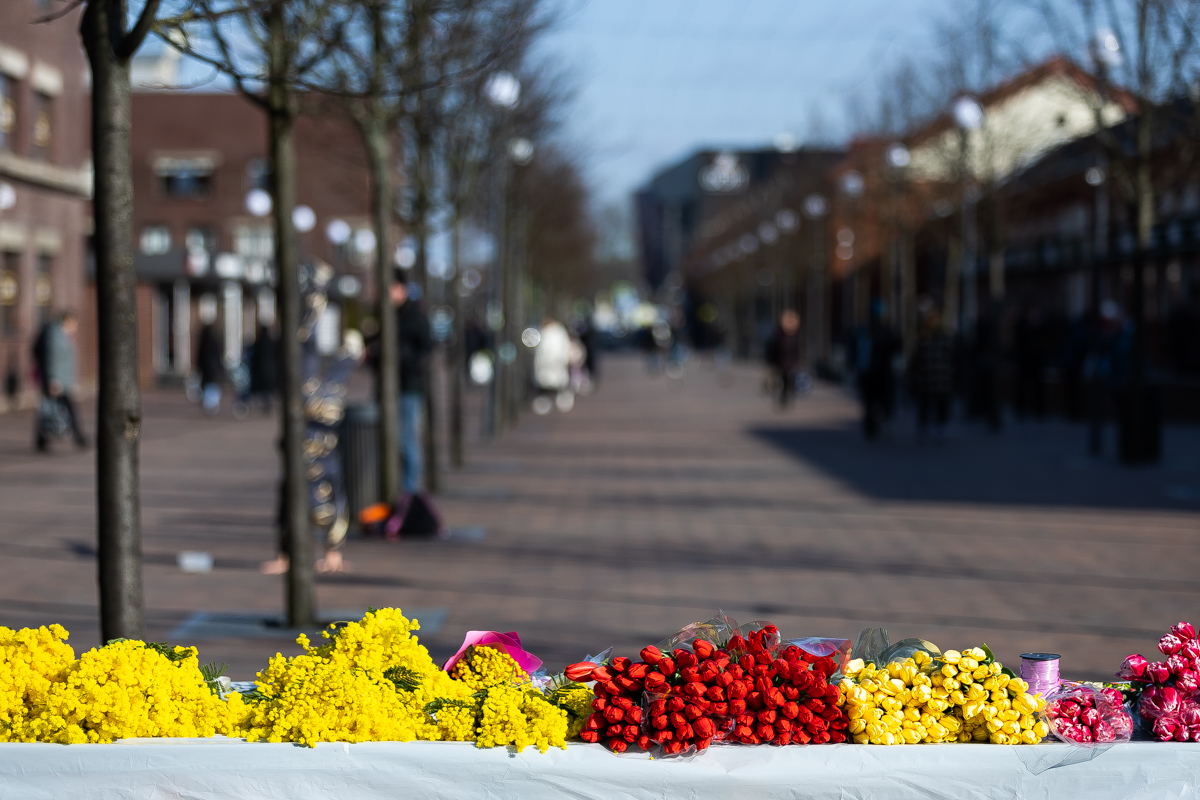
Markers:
748,689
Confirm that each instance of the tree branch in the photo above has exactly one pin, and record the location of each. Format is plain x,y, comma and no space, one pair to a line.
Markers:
132,40
57,15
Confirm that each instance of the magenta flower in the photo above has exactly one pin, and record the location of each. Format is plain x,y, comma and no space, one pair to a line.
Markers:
1165,729
1188,680
1178,665
1183,630
1160,701
1158,672
1134,668
1103,732
1169,645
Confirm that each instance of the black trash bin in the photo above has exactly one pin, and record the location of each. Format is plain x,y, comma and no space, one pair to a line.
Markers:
358,441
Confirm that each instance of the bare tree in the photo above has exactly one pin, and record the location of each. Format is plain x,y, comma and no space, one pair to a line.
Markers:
451,134
110,43
1147,50
272,50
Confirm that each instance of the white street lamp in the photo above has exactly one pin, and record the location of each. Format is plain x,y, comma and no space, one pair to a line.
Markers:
852,184
304,218
1108,48
258,202
364,240
898,156
503,89
338,231
768,233
520,150
815,206
968,114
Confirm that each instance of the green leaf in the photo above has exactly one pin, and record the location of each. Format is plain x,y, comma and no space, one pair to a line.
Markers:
167,651
990,658
405,679
437,705
1008,672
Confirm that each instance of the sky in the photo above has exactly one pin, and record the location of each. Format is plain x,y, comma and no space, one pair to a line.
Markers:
657,79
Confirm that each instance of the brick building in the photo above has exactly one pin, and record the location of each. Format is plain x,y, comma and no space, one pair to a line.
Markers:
45,182
199,162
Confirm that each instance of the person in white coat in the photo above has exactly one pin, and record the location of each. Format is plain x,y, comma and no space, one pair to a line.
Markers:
552,367
552,358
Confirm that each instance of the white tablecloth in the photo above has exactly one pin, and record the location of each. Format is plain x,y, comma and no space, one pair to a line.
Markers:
224,768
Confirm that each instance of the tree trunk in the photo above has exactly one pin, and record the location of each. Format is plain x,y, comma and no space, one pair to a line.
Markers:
119,407
1141,434
388,382
496,293
301,599
421,205
456,354
950,296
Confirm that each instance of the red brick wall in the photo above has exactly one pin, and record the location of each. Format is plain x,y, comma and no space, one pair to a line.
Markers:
41,211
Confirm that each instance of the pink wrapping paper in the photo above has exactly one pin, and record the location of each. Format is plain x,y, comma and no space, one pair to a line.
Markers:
506,642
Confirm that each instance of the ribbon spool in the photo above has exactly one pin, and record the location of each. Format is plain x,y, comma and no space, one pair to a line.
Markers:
1040,671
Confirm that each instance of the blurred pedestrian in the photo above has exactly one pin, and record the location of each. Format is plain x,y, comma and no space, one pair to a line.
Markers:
1101,370
552,366
210,353
264,361
783,354
985,369
476,337
591,346
876,380
1029,345
933,377
416,342
1183,334
55,356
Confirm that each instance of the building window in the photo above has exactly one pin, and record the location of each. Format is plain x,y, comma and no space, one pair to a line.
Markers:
185,176
254,241
10,292
43,288
186,183
156,240
201,238
258,174
43,125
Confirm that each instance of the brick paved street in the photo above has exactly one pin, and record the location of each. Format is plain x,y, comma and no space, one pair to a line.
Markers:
650,505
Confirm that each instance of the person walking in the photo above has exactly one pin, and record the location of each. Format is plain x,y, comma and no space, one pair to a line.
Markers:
552,366
209,359
416,342
783,354
877,383
264,357
56,358
933,377
1029,347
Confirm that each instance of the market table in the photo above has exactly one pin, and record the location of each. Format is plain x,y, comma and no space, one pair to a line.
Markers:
231,768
